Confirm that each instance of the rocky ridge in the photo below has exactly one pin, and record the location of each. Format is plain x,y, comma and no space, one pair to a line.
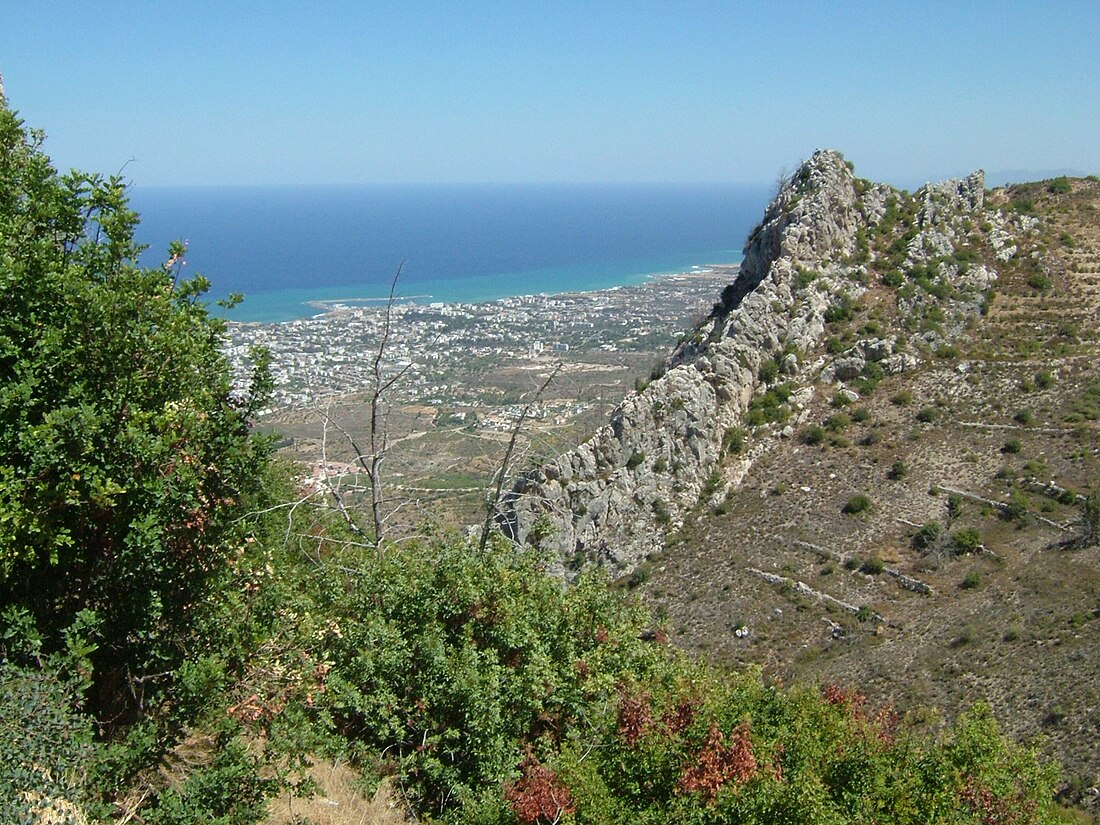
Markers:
759,358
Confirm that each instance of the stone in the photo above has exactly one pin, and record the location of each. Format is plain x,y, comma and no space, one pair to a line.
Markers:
601,511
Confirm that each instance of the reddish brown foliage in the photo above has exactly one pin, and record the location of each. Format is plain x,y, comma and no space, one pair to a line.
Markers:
539,795
635,716
886,724
718,763
836,695
254,709
997,810
677,719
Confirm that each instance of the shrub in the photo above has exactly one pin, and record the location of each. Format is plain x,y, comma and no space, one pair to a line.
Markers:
768,371
971,581
126,459
898,470
812,435
860,415
872,566
926,415
1040,282
1059,186
928,536
842,309
947,351
733,440
1017,507
45,745
1090,519
448,657
1024,417
1012,446
837,422
902,398
858,503
966,540
636,459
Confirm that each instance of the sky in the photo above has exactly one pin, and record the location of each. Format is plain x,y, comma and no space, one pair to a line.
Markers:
272,92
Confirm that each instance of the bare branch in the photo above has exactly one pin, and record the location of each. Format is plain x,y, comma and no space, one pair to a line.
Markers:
502,472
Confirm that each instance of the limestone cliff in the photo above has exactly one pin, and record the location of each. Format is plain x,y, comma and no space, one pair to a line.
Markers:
756,360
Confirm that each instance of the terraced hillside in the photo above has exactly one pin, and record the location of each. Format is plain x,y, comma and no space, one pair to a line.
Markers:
920,535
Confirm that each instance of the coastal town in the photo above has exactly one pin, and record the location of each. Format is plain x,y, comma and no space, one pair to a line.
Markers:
438,346
464,375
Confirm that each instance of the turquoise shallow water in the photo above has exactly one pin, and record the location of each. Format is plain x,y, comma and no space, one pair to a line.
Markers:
284,247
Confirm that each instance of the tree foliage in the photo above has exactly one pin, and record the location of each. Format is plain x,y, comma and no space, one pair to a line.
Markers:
125,454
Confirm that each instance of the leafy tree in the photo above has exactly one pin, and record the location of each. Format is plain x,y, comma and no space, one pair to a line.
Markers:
126,457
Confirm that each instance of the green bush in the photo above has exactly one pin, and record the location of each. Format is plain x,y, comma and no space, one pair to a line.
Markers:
447,659
971,581
858,503
902,398
947,351
45,744
771,406
842,309
966,540
768,371
661,512
1059,186
928,536
1040,282
126,458
872,566
1017,507
733,440
636,459
926,415
813,435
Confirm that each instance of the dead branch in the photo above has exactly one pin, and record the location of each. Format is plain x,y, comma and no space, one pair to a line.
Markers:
502,471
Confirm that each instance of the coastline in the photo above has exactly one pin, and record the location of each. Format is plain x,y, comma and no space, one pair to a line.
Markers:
321,357
287,306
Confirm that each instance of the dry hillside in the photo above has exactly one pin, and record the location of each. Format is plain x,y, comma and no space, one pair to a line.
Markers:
916,534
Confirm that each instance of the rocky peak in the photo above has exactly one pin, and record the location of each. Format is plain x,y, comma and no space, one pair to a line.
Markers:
752,365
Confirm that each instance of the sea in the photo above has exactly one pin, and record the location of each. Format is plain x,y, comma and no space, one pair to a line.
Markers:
291,249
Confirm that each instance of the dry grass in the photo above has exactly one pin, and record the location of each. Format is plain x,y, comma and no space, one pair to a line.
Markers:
339,802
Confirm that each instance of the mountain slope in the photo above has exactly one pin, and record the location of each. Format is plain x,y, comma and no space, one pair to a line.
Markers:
869,464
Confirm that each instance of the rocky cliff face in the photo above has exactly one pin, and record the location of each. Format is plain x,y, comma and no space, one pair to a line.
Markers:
755,362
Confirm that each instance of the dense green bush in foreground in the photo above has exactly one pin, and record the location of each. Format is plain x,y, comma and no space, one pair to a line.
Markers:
496,695
168,656
125,457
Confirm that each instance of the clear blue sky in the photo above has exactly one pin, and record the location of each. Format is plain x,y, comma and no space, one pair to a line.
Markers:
361,92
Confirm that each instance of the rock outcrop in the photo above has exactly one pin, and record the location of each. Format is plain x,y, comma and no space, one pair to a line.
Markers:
613,499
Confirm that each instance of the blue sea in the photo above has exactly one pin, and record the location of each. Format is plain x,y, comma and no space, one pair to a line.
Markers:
286,246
